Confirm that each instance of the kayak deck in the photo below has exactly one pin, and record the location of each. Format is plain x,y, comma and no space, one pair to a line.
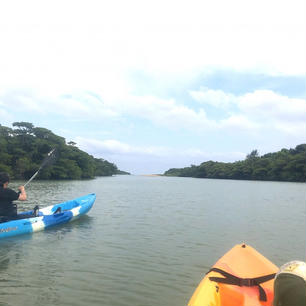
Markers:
234,280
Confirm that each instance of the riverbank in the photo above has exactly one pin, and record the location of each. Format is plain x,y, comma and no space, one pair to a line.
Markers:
285,166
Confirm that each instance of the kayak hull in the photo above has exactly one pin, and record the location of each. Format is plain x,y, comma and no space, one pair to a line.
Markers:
69,211
243,262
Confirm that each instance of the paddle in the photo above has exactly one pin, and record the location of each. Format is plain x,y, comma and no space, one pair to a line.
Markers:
48,160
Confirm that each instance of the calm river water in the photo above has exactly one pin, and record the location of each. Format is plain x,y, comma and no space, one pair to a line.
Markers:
148,240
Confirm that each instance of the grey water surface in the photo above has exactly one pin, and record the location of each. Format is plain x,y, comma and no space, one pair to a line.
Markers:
148,241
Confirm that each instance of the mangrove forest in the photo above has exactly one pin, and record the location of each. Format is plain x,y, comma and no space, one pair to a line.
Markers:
285,165
24,147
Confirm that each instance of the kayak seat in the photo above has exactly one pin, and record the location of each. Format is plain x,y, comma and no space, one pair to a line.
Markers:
58,211
36,211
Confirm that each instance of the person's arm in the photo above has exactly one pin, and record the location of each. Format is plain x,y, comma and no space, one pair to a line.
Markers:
22,195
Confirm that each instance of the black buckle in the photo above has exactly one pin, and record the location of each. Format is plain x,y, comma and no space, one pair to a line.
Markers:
247,282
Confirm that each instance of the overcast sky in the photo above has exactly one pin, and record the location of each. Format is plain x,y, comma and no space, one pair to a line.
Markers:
151,85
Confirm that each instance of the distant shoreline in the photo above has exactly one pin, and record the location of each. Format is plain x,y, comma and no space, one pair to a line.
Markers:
286,165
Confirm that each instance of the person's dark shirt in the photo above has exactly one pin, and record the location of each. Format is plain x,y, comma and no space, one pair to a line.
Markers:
7,196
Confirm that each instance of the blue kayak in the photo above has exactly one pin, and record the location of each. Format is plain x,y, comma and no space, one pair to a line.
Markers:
48,216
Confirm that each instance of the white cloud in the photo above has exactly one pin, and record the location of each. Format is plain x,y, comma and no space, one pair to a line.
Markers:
252,112
50,45
154,159
21,100
275,112
85,104
240,123
55,50
75,105
216,98
115,147
167,113
266,104
261,109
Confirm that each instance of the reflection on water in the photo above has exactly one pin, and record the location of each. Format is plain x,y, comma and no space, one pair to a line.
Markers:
147,240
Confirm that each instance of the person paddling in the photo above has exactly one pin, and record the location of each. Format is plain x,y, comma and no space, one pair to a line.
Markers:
8,209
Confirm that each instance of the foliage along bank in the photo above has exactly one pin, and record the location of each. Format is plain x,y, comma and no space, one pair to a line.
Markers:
285,165
23,148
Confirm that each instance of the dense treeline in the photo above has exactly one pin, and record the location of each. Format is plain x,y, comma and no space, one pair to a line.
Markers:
23,148
285,165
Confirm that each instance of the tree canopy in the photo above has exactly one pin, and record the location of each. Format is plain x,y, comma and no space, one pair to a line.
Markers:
285,165
23,148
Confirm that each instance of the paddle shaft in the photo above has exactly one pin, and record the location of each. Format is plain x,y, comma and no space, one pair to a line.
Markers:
44,163
31,178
